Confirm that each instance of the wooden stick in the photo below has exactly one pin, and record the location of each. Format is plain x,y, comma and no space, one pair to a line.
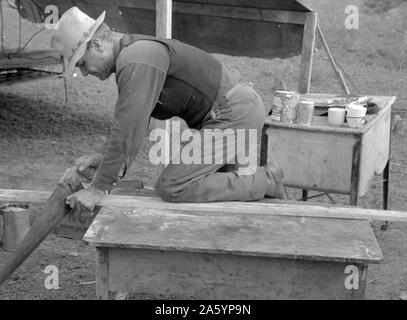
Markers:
163,29
337,71
164,19
307,53
270,206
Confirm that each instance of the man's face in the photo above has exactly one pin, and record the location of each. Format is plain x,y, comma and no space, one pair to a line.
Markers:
96,60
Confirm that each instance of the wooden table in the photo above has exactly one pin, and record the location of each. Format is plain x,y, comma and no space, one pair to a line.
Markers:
333,159
177,254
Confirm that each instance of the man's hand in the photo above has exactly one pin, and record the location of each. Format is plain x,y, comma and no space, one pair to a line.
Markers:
86,199
87,165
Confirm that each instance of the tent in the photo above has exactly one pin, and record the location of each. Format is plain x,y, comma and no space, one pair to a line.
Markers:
254,28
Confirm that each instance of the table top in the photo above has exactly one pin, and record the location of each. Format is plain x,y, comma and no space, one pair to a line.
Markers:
320,123
322,239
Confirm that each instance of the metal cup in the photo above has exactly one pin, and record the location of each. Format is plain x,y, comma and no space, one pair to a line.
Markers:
305,112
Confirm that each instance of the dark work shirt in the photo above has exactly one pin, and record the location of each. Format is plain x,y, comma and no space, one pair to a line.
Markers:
141,70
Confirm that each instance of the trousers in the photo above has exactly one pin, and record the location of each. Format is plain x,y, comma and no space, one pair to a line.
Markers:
225,166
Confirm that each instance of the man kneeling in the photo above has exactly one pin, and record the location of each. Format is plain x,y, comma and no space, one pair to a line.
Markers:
162,78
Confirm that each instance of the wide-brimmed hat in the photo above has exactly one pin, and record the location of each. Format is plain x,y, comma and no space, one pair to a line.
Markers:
72,33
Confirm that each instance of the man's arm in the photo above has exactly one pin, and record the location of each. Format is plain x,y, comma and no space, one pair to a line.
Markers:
139,89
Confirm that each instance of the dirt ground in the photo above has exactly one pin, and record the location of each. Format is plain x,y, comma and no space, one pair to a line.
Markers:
40,137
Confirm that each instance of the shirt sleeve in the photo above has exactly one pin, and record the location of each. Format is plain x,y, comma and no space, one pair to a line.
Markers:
139,87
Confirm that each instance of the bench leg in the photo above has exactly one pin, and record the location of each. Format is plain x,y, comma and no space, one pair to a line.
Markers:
102,273
304,195
354,198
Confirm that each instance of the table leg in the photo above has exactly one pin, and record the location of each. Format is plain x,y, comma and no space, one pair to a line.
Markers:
386,183
304,195
386,176
102,273
354,197
354,184
263,147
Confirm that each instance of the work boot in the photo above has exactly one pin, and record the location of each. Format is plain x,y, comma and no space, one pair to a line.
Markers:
275,175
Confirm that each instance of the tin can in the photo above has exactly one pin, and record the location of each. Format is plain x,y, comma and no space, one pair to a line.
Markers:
305,112
288,102
16,225
276,113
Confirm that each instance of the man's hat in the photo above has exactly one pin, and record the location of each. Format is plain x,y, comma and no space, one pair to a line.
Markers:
71,35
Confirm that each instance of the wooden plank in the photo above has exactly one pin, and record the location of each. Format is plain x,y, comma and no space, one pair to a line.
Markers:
150,274
164,30
75,226
235,12
163,18
313,160
280,16
272,207
219,35
237,234
307,54
238,37
128,187
288,5
102,273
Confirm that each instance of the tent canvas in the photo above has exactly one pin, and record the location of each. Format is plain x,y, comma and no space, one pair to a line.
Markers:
254,28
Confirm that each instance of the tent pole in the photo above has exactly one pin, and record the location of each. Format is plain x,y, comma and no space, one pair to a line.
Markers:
337,71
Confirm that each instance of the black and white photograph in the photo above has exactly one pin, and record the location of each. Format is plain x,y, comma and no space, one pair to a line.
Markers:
203,156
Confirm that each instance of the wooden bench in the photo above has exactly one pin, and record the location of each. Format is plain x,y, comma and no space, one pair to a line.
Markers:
199,254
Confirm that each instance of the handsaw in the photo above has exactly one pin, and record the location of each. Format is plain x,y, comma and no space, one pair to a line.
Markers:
46,219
